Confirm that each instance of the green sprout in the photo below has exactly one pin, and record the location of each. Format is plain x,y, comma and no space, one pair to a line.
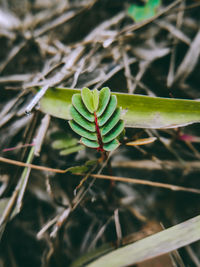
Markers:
96,118
140,13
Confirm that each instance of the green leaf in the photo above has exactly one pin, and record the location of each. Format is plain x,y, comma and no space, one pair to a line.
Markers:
71,150
77,102
111,122
111,145
82,132
90,99
104,97
66,143
114,133
62,140
140,13
91,163
78,169
158,244
87,257
87,97
139,111
109,111
89,143
95,99
83,168
81,121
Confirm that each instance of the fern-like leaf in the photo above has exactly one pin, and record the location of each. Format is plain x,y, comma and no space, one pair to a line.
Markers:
96,117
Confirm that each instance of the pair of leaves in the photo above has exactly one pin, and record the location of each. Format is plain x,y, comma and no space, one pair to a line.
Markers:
96,117
65,143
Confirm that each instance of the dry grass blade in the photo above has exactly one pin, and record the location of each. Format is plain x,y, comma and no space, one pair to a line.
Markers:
55,23
36,99
179,21
16,78
16,49
174,31
118,227
155,245
15,202
143,141
193,256
157,165
189,62
8,20
41,134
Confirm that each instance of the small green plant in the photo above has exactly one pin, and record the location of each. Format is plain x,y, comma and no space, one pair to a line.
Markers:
96,117
140,13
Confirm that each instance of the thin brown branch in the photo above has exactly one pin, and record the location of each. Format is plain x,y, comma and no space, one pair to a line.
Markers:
145,182
107,177
32,166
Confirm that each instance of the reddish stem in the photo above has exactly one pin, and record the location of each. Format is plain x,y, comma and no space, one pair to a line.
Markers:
16,147
100,148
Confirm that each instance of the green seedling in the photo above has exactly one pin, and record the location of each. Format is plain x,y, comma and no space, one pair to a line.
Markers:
96,118
140,13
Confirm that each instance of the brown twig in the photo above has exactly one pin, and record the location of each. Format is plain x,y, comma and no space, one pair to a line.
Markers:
32,166
107,177
145,182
